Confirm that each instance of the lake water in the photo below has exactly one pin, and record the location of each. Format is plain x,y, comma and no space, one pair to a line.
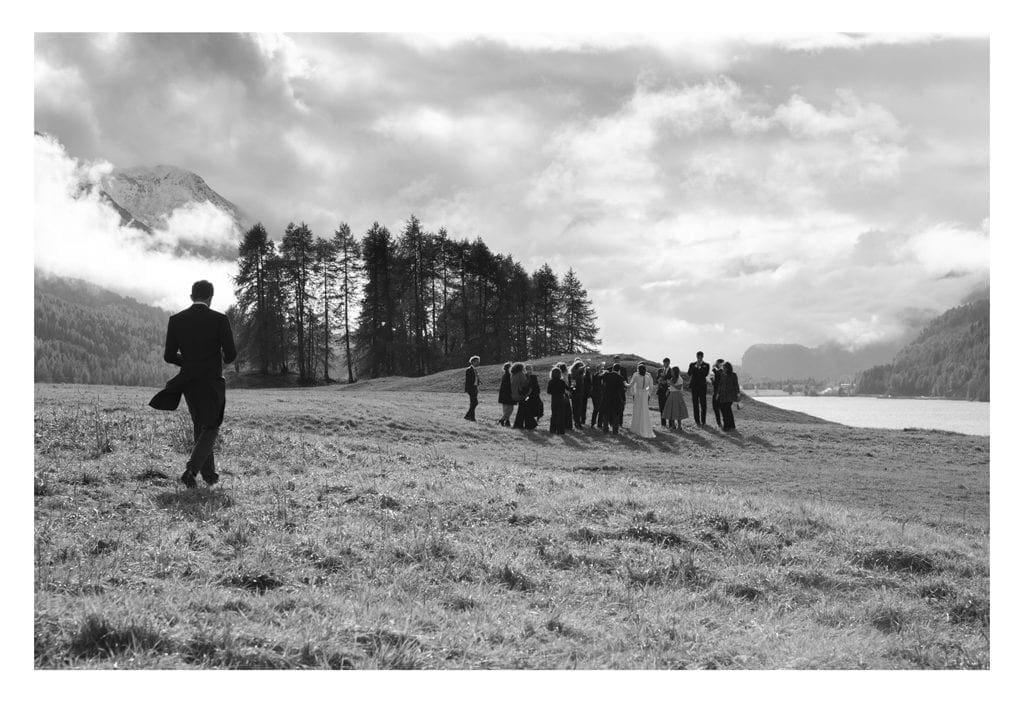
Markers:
890,413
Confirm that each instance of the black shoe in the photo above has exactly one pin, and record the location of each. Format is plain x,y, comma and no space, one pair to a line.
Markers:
210,480
188,479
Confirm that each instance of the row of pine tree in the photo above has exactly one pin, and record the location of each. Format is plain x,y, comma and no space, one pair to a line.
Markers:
408,305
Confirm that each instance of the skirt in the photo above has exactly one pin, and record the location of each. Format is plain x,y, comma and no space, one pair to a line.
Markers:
675,408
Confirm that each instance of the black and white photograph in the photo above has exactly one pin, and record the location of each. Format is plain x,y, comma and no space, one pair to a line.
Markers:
377,349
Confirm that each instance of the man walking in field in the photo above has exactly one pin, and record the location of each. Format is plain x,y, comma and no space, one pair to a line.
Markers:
199,340
472,387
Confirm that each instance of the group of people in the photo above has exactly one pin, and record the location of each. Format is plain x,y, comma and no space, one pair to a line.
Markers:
199,341
573,387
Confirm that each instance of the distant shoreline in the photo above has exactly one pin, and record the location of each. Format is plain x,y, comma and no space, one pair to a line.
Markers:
783,394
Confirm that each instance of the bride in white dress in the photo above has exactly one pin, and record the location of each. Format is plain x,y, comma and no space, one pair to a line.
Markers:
641,384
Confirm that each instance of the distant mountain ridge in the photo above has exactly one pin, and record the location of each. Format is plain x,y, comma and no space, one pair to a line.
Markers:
949,359
826,362
87,334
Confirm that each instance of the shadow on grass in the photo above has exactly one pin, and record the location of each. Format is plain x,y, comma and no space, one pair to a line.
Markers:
195,503
741,440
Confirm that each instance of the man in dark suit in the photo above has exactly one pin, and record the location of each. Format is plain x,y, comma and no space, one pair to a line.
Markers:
716,385
472,387
199,340
661,378
698,373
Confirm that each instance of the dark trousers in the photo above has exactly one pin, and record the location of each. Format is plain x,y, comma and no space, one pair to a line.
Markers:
597,416
524,418
662,399
558,414
205,435
567,412
728,421
471,413
700,404
717,407
612,415
579,408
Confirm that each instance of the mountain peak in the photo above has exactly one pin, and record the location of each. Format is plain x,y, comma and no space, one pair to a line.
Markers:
152,193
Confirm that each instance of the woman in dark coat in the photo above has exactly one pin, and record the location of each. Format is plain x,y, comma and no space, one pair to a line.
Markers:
563,369
505,395
536,404
558,392
521,396
728,393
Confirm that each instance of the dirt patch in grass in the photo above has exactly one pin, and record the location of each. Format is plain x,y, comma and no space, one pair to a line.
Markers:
968,609
743,591
895,560
888,618
514,579
662,538
257,583
151,475
459,603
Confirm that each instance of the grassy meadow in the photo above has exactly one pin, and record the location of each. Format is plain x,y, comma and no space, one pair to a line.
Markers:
367,528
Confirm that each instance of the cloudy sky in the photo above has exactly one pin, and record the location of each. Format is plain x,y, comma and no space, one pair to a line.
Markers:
711,192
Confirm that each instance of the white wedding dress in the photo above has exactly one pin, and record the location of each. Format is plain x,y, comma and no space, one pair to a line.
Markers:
641,387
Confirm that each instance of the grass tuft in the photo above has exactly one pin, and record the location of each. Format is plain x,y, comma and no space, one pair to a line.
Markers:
514,579
895,560
98,637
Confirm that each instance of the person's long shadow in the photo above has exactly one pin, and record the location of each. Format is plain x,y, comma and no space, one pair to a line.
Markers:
196,503
688,436
741,440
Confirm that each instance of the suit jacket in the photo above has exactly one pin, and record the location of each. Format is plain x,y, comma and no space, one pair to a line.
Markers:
729,391
472,380
698,375
199,340
661,378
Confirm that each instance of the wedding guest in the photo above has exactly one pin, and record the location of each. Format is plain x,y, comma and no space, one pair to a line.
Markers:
536,403
661,379
472,386
596,395
716,384
698,373
728,393
505,394
579,398
558,392
613,399
521,396
675,408
567,405
641,385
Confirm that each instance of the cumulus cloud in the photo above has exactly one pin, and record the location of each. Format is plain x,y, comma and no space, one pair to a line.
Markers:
78,234
722,190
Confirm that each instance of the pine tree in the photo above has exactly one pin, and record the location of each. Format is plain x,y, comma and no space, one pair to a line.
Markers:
348,259
297,253
376,329
251,292
547,300
580,331
326,267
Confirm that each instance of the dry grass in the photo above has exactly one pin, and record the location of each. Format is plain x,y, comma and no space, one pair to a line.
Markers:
367,530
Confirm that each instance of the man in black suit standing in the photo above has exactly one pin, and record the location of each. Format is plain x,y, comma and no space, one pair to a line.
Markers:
698,373
199,340
472,387
716,384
